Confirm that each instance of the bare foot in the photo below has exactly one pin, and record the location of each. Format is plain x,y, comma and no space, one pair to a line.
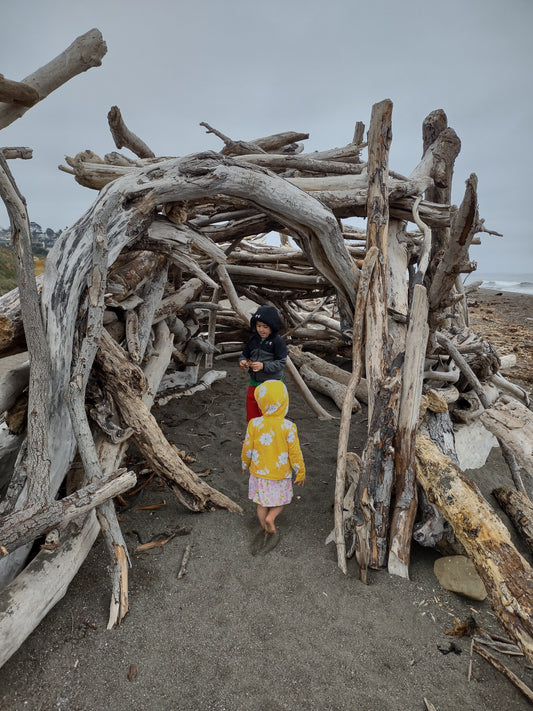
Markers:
270,543
269,527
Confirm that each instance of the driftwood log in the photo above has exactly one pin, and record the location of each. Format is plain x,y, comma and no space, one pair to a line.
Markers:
505,573
162,273
519,509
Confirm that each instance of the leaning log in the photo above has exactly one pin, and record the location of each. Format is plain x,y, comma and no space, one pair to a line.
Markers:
512,423
328,370
519,509
346,414
191,491
328,387
505,573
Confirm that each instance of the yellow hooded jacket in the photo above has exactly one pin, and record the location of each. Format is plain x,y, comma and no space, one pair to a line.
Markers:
271,449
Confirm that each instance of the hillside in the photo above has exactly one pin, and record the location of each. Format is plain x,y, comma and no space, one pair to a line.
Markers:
8,278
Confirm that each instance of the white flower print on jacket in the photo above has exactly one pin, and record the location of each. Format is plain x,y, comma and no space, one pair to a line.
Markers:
271,449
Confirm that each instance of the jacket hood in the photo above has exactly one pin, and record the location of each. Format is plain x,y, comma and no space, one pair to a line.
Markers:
268,315
272,398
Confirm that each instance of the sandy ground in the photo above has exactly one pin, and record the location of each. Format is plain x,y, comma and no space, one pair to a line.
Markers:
283,631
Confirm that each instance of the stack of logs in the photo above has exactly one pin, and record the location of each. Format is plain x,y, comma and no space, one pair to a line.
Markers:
161,275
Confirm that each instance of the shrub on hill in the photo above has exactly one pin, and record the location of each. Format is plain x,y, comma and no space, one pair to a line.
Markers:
8,277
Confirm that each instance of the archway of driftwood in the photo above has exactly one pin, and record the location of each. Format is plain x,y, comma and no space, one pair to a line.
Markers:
160,276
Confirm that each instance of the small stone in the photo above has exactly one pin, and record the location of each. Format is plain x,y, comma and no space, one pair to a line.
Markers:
458,574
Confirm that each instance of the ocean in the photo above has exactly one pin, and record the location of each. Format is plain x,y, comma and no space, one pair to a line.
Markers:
518,283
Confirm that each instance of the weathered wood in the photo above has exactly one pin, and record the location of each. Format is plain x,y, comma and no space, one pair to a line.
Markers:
347,405
274,278
341,202
328,370
205,383
444,146
519,509
85,52
131,271
308,396
37,462
197,216
231,147
505,573
22,152
405,505
42,583
12,384
211,329
328,387
191,491
496,663
454,260
184,560
473,381
123,137
176,301
17,92
33,521
512,422
375,483
304,164
12,338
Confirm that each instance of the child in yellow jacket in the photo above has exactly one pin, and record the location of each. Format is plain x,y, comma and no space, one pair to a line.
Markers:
271,451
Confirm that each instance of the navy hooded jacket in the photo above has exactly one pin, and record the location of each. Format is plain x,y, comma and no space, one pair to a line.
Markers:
271,351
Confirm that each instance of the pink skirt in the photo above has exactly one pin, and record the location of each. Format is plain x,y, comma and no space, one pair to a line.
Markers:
270,492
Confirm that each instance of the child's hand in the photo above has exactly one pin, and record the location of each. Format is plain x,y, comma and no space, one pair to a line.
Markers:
300,483
256,366
244,364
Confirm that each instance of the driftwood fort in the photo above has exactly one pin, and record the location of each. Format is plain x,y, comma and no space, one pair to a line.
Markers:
158,277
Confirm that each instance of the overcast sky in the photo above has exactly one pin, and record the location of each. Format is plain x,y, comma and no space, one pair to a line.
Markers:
252,68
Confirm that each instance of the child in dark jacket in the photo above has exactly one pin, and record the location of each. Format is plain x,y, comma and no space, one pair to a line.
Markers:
264,354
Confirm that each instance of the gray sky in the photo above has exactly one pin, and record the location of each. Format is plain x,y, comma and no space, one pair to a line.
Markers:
252,68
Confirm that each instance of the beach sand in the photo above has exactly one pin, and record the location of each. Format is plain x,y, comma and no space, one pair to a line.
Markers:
283,631
505,319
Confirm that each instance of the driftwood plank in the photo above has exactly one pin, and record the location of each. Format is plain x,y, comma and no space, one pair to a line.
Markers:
375,483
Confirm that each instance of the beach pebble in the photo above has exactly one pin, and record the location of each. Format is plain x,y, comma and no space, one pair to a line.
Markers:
458,574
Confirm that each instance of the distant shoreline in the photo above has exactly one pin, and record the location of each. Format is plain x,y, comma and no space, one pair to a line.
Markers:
512,283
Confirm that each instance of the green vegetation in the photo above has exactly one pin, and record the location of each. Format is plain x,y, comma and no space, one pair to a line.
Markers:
8,277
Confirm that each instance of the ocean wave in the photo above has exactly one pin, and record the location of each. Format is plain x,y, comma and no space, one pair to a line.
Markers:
518,287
